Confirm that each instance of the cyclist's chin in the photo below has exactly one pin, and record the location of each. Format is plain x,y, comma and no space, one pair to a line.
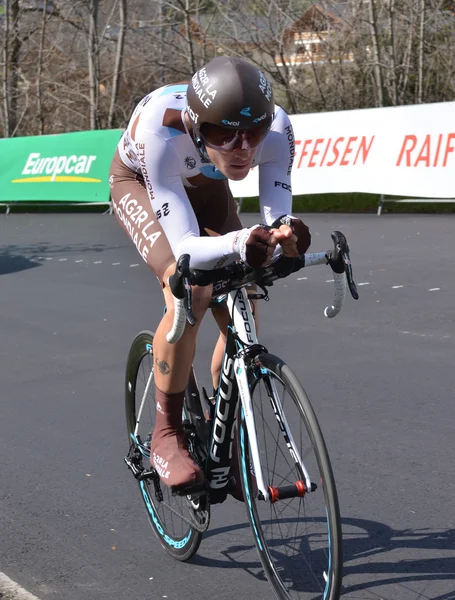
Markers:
236,172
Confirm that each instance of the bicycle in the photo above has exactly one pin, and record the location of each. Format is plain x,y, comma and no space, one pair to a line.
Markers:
286,475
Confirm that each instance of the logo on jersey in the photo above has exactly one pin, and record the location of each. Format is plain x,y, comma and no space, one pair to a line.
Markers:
290,135
285,186
190,162
246,112
231,123
163,211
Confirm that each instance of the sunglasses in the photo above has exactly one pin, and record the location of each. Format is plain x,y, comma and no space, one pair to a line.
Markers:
224,138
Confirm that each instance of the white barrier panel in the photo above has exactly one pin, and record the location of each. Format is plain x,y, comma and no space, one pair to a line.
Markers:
405,150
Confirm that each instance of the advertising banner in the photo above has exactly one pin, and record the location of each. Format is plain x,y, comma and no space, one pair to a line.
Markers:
71,167
405,150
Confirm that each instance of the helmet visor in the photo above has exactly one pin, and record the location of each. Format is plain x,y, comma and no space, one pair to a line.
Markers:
227,138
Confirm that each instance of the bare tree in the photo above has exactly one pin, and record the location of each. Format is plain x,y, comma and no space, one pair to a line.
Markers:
66,66
93,63
118,62
421,52
376,52
39,83
11,54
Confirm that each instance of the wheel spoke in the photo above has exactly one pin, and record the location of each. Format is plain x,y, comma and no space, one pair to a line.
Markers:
297,544
171,519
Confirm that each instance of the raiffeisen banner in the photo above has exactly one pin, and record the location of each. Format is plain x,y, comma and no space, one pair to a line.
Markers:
71,167
404,150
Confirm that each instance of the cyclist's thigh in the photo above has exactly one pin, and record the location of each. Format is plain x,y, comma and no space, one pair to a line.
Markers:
216,212
215,208
133,211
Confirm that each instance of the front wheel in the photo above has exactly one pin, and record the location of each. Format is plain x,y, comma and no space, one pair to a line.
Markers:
174,519
297,533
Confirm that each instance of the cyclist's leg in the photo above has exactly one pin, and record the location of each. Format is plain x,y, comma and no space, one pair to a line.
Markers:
217,216
173,362
216,212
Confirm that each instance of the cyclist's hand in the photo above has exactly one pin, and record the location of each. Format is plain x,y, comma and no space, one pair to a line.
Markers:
300,231
255,245
287,240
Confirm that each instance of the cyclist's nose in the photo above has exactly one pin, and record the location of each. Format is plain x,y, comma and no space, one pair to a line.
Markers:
241,141
245,143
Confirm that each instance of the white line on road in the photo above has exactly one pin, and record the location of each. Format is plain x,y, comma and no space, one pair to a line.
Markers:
8,586
428,335
135,265
434,289
395,287
364,283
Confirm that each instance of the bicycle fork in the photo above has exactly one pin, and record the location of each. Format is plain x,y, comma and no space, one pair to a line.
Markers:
268,492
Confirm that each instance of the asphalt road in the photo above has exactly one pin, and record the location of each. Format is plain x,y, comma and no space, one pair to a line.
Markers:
74,292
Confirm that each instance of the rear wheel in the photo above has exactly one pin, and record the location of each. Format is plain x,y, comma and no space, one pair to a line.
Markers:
298,538
178,521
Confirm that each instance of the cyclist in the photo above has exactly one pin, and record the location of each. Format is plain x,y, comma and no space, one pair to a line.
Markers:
169,188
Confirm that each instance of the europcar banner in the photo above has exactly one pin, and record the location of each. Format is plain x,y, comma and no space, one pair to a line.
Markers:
405,150
71,167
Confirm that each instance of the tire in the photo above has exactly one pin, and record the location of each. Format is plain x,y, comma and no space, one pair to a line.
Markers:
299,540
175,534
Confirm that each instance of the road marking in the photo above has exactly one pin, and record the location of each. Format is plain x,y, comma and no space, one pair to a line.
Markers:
135,265
301,278
113,264
78,261
97,262
428,335
434,289
395,287
8,586
364,283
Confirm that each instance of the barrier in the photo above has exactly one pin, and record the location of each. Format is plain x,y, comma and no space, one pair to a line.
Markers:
70,168
397,151
383,199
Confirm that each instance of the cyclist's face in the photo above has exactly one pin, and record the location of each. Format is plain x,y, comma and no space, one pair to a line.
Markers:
235,164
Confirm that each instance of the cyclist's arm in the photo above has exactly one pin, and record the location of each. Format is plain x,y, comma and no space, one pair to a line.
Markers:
275,166
170,203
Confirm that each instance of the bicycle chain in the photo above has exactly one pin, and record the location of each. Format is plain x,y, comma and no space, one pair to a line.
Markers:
192,523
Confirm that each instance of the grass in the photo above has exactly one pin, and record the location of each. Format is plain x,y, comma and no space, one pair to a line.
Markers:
354,203
330,203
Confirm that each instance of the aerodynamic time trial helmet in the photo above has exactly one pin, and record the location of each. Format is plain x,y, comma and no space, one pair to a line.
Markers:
229,100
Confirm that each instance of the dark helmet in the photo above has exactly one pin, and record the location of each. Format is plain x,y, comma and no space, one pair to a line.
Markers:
231,94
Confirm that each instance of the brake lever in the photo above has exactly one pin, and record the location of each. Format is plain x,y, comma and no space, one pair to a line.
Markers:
180,286
340,261
188,300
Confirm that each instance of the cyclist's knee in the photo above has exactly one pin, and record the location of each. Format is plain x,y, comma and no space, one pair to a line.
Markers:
201,296
201,300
